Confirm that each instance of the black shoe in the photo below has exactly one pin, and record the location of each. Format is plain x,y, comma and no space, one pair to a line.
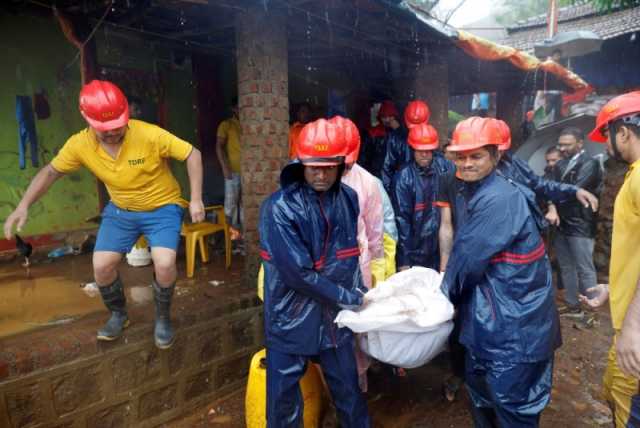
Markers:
571,312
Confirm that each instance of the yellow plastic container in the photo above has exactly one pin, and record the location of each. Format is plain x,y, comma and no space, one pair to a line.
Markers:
255,405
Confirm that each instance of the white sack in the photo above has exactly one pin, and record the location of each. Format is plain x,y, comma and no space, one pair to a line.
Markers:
407,319
406,350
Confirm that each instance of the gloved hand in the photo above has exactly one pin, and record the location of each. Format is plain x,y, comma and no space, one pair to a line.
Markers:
353,302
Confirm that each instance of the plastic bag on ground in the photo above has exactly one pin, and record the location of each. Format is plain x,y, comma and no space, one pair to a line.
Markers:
407,319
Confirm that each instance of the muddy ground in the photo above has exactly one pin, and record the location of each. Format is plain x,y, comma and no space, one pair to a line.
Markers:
417,400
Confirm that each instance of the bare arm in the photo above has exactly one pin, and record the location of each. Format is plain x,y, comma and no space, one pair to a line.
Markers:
628,341
445,236
221,144
38,187
552,215
194,170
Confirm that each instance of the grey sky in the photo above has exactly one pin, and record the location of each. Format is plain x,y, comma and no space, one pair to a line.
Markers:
471,11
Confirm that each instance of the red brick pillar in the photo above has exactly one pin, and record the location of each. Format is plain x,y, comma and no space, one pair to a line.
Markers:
261,46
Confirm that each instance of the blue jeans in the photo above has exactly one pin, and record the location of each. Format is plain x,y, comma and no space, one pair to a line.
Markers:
26,131
575,258
233,201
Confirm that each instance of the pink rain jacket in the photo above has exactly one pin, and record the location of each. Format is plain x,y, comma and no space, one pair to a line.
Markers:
370,222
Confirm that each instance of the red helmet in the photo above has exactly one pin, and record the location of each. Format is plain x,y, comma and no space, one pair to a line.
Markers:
104,106
351,136
475,132
506,135
423,137
417,112
388,109
618,108
321,143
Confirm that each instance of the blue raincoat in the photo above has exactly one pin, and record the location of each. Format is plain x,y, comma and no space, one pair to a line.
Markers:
310,255
310,251
519,171
499,277
397,154
415,195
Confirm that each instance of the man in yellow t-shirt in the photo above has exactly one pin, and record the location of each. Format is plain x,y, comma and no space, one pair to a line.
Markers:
228,151
131,158
618,125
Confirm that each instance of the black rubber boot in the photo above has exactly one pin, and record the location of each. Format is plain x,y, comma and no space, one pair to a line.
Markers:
163,332
114,299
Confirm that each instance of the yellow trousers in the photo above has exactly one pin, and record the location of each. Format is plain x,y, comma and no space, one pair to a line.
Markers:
621,392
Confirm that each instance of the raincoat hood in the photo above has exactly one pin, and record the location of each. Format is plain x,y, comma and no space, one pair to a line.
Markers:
293,174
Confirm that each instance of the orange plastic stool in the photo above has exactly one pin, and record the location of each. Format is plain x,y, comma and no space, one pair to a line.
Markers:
195,233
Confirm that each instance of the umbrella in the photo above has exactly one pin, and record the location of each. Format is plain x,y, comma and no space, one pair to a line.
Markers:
570,43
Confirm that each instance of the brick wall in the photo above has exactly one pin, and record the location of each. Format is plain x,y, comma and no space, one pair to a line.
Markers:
264,114
63,377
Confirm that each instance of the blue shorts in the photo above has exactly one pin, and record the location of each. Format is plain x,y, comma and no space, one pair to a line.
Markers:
120,229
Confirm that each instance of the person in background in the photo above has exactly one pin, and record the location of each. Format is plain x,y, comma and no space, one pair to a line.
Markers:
309,247
480,104
574,239
415,192
397,152
514,168
498,277
370,222
303,116
131,158
228,150
551,158
373,143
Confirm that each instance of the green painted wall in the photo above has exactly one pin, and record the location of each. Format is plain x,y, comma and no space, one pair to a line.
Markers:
33,60
181,118
42,59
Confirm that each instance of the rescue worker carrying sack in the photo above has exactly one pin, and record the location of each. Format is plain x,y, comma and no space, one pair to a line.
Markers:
499,278
309,247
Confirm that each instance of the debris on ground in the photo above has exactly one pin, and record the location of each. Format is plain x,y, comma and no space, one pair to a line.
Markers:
417,400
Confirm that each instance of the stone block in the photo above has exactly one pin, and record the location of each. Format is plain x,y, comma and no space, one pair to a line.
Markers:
77,389
232,371
176,355
209,345
198,384
156,402
74,423
111,417
24,406
135,369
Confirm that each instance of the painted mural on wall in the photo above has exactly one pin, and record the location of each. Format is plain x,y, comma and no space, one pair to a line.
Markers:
38,112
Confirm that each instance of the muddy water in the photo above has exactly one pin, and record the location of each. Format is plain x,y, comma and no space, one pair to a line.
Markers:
49,292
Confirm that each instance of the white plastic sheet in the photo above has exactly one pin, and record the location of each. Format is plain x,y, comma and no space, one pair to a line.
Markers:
406,321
